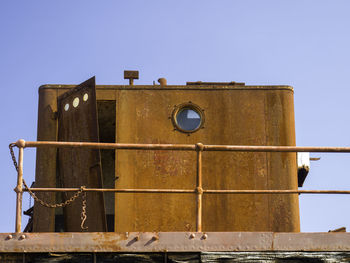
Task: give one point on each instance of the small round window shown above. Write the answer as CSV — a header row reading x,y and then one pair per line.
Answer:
x,y
188,117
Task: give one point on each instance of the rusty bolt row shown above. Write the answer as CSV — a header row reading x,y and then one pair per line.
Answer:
x,y
21,237
204,236
154,238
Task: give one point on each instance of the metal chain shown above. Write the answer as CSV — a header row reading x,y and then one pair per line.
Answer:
x,y
13,155
83,213
43,203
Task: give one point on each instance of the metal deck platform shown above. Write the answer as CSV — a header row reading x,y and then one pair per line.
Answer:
x,y
99,242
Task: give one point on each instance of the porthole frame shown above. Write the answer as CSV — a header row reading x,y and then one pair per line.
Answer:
x,y
191,106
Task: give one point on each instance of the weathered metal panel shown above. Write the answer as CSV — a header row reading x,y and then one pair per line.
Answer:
x,y
172,242
331,241
185,257
45,173
77,121
241,116
275,257
282,167
237,116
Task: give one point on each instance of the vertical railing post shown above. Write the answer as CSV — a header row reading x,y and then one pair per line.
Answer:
x,y
199,189
19,189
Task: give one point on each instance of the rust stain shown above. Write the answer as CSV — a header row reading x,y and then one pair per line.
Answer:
x,y
168,164
109,241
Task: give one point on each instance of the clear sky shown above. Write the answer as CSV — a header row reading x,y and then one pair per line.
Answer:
x,y
305,44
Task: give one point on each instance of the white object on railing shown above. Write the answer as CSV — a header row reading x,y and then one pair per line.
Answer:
x,y
303,160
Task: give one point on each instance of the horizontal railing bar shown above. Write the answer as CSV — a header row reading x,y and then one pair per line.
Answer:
x,y
184,147
247,148
111,190
190,191
276,192
126,146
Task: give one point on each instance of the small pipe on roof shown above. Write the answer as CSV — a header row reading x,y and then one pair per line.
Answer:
x,y
162,82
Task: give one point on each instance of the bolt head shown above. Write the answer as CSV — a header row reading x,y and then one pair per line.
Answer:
x,y
205,236
9,236
199,146
192,236
22,237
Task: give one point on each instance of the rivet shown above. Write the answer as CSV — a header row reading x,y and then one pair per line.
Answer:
x,y
192,236
205,236
155,238
9,236
22,237
137,238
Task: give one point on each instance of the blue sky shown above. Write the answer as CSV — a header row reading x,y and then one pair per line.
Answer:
x,y
300,43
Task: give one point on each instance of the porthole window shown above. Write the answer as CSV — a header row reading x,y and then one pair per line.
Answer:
x,y
188,117
66,107
85,97
75,102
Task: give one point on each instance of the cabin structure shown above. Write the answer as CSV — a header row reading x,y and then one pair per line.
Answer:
x,y
202,172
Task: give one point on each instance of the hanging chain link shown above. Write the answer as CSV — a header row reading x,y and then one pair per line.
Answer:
x,y
43,203
83,216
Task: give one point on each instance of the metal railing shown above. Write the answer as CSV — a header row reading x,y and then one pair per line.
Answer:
x,y
198,148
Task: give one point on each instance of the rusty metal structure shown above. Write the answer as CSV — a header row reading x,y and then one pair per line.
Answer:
x,y
202,168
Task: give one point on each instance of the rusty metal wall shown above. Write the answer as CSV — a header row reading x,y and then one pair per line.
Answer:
x,y
45,175
46,166
242,116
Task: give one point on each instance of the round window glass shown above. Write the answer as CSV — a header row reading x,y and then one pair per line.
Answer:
x,y
188,119
66,107
76,102
85,97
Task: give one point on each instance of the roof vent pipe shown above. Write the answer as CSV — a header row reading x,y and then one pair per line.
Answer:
x,y
162,82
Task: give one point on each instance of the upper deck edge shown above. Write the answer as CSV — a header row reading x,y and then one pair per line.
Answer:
x,y
172,242
173,87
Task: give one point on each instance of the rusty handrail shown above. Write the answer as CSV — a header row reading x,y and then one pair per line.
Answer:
x,y
54,189
199,148
189,191
115,146
19,190
180,147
